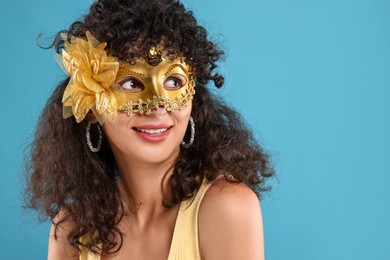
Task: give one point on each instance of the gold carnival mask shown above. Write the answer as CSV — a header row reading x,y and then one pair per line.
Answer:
x,y
141,87
104,85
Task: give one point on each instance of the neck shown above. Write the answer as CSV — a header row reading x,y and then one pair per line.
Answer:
x,y
144,186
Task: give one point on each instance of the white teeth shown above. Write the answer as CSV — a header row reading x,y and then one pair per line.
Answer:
x,y
152,131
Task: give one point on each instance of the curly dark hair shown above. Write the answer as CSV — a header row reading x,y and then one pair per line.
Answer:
x,y
64,176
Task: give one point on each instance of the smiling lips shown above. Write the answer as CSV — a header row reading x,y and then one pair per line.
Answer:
x,y
153,133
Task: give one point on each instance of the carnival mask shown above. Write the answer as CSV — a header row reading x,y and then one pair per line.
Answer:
x,y
104,85
141,87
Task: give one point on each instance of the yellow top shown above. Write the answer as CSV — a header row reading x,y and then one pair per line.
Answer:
x,y
185,242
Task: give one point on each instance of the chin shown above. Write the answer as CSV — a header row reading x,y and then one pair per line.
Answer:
x,y
154,154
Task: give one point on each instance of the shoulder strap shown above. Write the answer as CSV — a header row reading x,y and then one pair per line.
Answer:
x,y
185,242
86,254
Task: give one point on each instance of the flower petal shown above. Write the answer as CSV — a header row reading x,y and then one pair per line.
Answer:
x,y
92,72
91,84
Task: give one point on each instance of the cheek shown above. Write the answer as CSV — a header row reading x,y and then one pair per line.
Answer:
x,y
117,128
183,115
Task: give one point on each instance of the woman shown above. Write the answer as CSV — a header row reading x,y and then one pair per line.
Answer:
x,y
133,157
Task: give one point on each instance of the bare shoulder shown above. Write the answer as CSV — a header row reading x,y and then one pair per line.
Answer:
x,y
230,223
59,247
226,194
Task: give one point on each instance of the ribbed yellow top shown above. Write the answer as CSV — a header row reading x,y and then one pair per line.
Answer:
x,y
185,243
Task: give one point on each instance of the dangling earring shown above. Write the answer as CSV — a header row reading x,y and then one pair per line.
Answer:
x,y
88,136
192,125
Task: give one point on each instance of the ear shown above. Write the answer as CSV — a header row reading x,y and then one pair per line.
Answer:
x,y
91,117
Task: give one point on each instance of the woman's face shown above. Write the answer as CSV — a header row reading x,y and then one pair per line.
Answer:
x,y
152,138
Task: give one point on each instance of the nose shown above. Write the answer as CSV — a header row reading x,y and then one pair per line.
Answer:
x,y
157,91
157,87
159,111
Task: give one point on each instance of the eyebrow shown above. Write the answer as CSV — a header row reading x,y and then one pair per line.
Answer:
x,y
174,66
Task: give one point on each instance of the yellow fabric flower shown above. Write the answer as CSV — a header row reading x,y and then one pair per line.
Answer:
x,y
92,72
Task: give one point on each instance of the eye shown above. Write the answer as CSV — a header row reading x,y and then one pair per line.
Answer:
x,y
131,85
175,82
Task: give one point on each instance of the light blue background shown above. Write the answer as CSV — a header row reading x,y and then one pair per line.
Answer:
x,y
311,76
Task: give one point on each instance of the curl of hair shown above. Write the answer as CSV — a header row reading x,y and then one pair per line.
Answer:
x,y
132,27
64,176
